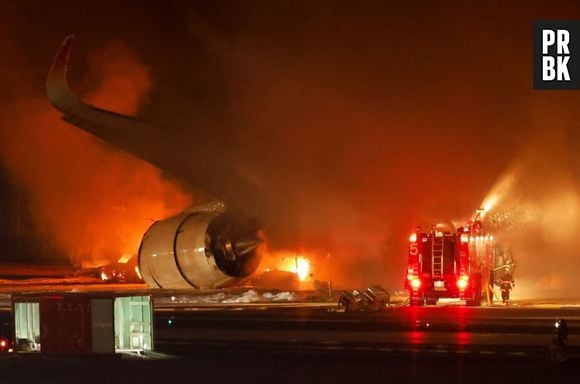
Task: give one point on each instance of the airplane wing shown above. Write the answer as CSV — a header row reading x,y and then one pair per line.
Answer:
x,y
102,123
216,178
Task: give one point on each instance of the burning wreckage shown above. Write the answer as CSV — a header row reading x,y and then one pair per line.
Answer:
x,y
204,247
374,298
209,247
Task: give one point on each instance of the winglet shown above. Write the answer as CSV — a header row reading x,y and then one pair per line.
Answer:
x,y
57,87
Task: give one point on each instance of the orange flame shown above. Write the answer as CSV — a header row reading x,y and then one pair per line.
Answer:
x,y
299,265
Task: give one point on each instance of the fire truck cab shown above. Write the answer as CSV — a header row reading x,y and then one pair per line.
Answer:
x,y
450,264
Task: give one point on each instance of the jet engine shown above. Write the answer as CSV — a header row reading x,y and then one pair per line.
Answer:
x,y
201,248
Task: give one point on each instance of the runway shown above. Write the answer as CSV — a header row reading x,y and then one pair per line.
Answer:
x,y
244,335
314,345
515,331
428,344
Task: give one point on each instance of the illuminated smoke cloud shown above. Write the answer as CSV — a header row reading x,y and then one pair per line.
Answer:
x,y
92,200
361,126
536,214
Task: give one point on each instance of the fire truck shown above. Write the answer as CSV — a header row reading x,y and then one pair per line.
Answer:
x,y
458,264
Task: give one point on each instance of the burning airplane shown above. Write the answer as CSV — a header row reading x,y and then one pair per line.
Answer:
x,y
207,246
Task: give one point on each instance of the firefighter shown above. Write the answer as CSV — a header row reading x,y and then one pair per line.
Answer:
x,y
506,285
506,281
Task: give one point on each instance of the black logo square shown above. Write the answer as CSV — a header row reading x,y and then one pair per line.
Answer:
x,y
556,54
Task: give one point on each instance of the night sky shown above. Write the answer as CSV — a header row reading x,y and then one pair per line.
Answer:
x,y
363,119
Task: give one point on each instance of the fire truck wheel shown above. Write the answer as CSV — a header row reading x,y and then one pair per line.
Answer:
x,y
473,302
417,302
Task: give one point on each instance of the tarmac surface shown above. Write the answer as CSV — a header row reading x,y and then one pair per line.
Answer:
x,y
291,339
506,331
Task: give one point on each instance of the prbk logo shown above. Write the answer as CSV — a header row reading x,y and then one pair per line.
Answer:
x,y
556,54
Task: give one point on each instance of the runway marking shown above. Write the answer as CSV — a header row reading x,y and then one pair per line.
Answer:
x,y
219,343
335,347
363,348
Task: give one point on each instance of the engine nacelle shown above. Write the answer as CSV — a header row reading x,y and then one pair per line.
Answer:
x,y
200,248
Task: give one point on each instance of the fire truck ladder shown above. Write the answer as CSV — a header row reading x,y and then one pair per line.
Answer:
x,y
437,256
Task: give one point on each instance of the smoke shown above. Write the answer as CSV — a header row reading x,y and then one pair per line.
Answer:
x,y
365,124
361,123
93,201
535,213
352,156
